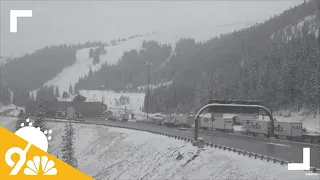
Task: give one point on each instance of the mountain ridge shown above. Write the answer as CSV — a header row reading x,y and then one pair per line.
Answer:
x,y
230,65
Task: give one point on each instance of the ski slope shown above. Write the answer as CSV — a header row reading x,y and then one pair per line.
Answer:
x,y
111,153
115,52
83,63
136,99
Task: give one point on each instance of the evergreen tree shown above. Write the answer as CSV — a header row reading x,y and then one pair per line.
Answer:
x,y
90,53
76,91
68,154
6,96
57,91
46,93
20,120
90,73
96,59
40,116
21,97
65,95
32,97
70,89
103,50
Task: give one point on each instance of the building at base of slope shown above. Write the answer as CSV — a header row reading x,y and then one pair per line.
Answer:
x,y
73,107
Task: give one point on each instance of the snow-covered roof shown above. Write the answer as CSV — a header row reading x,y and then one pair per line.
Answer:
x,y
228,116
70,99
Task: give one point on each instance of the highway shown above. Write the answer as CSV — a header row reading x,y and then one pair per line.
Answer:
x,y
286,150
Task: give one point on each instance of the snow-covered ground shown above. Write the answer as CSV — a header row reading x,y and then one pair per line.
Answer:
x,y
15,110
4,108
4,60
152,86
312,26
136,99
83,63
311,123
112,153
8,122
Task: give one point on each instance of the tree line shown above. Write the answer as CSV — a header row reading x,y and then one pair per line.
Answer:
x,y
280,72
45,93
96,53
33,70
5,97
130,71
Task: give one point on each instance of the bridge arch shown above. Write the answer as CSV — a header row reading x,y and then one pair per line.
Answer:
x,y
232,108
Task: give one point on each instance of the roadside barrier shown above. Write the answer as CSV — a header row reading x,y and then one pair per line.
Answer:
x,y
239,151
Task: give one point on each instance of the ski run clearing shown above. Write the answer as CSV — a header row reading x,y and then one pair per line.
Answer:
x,y
111,153
110,97
83,63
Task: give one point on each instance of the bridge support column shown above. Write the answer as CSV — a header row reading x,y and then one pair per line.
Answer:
x,y
196,128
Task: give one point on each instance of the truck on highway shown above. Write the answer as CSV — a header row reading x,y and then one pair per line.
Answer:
x,y
158,118
124,116
183,120
288,130
216,121
223,124
169,120
259,128
244,126
205,123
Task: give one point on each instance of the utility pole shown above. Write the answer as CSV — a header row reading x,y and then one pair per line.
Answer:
x,y
149,64
102,105
318,74
102,98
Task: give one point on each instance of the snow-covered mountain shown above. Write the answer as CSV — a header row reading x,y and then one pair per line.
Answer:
x,y
310,24
83,63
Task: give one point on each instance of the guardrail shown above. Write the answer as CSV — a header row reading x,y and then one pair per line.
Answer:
x,y
226,148
311,144
260,138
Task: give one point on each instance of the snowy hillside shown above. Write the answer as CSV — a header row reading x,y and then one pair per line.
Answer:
x,y
111,153
136,99
11,110
310,23
83,63
115,51
152,86
4,60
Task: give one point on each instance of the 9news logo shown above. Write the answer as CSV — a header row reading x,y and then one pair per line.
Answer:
x,y
24,156
33,136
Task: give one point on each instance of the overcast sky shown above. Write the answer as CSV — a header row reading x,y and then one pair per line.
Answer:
x,y
80,21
